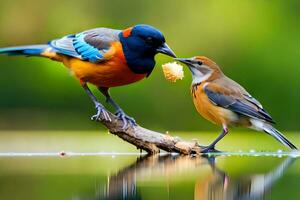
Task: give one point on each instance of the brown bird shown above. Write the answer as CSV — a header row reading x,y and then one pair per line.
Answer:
x,y
224,102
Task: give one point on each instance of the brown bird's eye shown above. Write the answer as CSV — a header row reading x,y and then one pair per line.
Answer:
x,y
199,63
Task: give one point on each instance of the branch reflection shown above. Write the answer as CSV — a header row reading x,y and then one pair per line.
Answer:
x,y
214,185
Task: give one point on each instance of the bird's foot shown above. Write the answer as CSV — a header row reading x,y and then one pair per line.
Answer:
x,y
101,111
127,121
210,149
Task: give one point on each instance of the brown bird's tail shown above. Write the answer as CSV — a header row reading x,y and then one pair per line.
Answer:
x,y
279,136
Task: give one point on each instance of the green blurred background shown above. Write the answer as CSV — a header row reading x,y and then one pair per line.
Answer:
x,y
255,42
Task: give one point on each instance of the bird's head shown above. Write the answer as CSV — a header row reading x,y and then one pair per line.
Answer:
x,y
140,44
202,68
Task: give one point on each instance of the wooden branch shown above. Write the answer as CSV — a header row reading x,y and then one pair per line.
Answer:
x,y
150,141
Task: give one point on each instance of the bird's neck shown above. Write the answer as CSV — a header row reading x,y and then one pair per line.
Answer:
x,y
139,62
208,76
198,79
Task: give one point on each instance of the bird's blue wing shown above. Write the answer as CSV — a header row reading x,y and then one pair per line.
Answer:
x,y
65,46
237,104
89,45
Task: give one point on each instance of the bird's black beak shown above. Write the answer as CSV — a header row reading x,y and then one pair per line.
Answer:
x,y
165,49
187,61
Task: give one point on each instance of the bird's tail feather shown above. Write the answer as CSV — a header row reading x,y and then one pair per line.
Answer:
x,y
279,136
29,50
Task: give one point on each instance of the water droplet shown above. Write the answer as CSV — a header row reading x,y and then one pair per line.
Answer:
x,y
252,151
62,153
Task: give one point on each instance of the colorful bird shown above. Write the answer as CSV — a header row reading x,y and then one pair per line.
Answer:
x,y
105,58
224,102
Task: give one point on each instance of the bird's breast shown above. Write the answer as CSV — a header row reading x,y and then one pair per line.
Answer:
x,y
111,73
208,110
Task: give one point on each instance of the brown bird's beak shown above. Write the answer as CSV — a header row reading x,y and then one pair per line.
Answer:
x,y
187,61
165,49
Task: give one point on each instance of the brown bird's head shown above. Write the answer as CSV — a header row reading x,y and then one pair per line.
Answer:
x,y
202,68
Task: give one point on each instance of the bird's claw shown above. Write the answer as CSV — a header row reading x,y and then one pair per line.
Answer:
x,y
127,121
101,111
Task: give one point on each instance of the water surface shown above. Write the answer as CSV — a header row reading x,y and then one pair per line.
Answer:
x,y
42,173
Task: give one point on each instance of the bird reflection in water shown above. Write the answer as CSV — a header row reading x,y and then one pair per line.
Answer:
x,y
218,186
215,185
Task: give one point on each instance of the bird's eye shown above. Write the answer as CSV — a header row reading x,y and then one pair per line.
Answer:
x,y
199,62
149,40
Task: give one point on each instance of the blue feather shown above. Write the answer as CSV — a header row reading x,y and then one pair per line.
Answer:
x,y
86,51
65,46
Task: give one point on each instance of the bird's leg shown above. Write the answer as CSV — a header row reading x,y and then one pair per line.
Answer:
x,y
100,108
127,120
211,147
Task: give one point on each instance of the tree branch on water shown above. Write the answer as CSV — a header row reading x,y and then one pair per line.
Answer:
x,y
150,141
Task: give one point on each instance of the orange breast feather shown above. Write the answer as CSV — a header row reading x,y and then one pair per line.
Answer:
x,y
111,73
208,110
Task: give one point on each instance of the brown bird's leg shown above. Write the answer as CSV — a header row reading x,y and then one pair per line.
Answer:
x,y
211,147
127,120
100,108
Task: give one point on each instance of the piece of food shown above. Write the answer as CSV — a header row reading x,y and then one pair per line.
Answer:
x,y
173,71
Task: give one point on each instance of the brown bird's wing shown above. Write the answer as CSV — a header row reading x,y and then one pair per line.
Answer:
x,y
232,96
237,88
